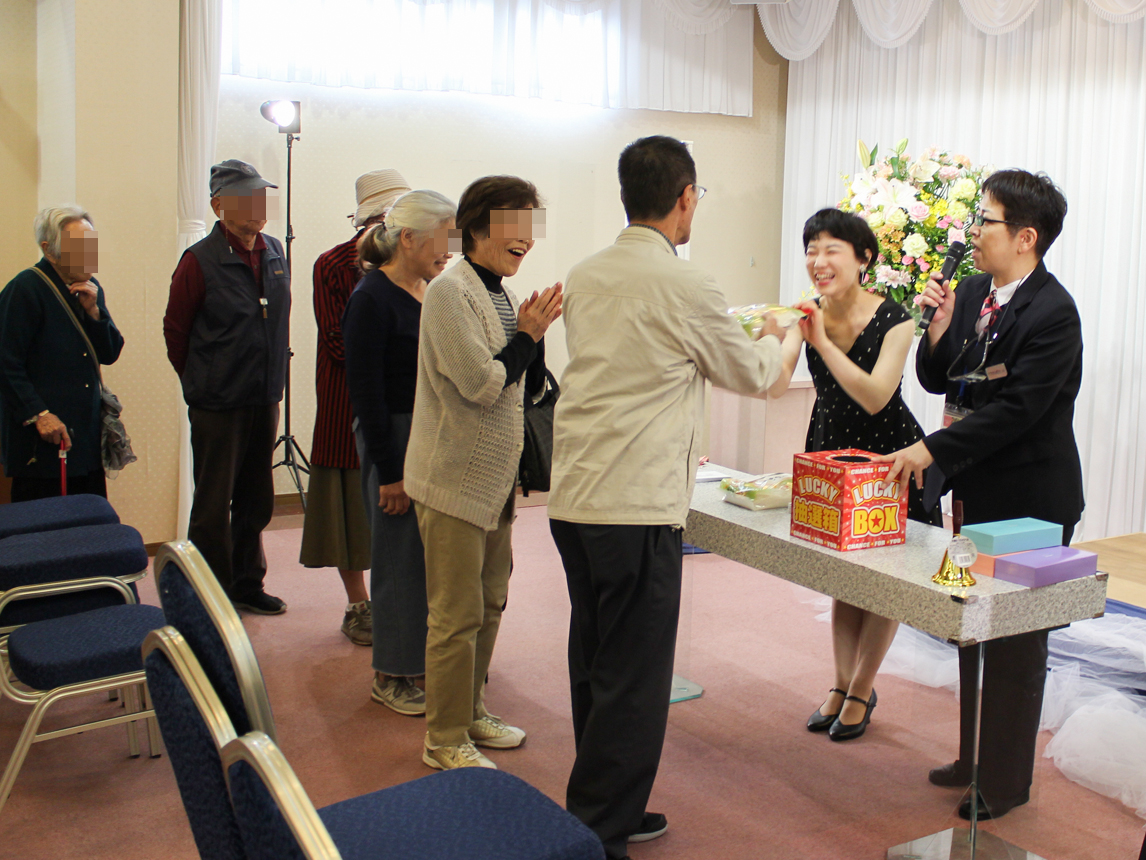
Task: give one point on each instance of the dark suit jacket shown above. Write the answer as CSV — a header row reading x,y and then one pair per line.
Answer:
x,y
44,364
1015,456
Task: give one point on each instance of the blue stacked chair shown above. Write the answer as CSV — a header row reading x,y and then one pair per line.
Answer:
x,y
61,512
268,815
471,813
512,820
49,661
108,550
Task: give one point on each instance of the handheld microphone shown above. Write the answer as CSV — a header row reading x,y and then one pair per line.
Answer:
x,y
955,253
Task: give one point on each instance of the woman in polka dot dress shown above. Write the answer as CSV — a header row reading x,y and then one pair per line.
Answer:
x,y
857,344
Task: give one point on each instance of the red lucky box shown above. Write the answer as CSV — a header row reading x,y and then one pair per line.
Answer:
x,y
841,500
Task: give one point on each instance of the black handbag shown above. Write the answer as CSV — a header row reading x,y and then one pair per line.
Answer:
x,y
537,452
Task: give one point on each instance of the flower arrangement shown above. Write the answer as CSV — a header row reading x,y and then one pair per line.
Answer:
x,y
916,208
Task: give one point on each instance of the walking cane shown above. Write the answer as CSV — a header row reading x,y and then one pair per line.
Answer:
x,y
63,469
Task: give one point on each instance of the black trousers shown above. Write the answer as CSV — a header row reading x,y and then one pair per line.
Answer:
x,y
1014,676
234,492
624,591
30,489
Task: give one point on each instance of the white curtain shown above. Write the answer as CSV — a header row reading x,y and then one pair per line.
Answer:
x,y
797,28
680,55
199,61
1062,93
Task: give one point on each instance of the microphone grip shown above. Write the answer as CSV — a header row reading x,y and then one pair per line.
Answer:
x,y
954,257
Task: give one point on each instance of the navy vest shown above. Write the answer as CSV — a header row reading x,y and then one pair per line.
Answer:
x,y
237,357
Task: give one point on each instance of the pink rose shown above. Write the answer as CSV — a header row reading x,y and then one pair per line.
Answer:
x,y
918,210
943,222
954,235
908,259
924,265
947,173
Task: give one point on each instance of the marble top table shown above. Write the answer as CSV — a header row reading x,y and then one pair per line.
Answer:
x,y
895,581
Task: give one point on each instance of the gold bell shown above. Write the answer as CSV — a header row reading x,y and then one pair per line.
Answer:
x,y
951,575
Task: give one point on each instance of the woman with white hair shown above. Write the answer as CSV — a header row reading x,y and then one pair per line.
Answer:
x,y
380,330
55,331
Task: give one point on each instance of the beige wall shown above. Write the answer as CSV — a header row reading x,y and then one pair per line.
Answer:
x,y
19,155
127,89
443,141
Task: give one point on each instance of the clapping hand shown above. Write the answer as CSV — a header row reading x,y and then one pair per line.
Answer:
x,y
538,312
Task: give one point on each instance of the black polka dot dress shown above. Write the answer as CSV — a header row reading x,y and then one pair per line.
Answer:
x,y
839,422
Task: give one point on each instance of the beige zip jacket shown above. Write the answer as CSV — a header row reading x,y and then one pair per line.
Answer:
x,y
644,329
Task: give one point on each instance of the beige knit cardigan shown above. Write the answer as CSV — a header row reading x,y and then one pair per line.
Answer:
x,y
466,437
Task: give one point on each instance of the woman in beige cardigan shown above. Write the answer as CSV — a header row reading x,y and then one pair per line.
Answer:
x,y
477,354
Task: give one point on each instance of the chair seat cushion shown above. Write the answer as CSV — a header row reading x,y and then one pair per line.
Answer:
x,y
105,550
83,647
62,512
471,813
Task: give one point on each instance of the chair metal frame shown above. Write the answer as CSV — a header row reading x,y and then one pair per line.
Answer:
x,y
126,579
186,556
41,700
266,759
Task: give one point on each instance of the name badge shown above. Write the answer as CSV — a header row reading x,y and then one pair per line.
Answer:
x,y
953,413
996,371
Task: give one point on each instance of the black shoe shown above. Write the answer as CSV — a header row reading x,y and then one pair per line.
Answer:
x,y
994,810
954,775
845,731
822,722
652,825
261,604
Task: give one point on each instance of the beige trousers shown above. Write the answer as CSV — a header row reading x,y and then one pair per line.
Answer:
x,y
467,581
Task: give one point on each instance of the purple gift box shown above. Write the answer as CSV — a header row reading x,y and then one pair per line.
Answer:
x,y
1038,567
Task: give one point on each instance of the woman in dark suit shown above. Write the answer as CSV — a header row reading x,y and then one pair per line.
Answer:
x,y
49,380
1006,350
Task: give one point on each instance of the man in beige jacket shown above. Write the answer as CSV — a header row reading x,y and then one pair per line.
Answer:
x,y
644,329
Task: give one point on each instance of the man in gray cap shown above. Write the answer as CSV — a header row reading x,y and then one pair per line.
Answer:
x,y
227,337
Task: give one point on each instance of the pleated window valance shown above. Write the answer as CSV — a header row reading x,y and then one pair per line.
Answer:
x,y
797,28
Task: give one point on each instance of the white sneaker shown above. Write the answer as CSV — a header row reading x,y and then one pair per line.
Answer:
x,y
492,732
447,758
401,695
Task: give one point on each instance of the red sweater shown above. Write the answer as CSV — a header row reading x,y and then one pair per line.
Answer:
x,y
335,276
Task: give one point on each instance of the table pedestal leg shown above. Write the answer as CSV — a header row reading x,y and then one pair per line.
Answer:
x,y
682,688
965,843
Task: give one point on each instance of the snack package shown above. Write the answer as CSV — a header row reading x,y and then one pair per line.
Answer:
x,y
751,316
773,490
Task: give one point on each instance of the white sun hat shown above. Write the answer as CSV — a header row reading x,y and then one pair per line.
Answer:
x,y
376,192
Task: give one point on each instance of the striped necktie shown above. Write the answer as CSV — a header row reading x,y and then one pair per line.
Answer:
x,y
988,314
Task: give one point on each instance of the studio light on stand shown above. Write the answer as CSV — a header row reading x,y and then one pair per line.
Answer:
x,y
286,115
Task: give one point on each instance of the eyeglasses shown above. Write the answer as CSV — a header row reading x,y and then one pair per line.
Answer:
x,y
700,190
978,220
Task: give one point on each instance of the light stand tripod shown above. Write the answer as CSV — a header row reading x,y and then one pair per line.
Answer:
x,y
293,458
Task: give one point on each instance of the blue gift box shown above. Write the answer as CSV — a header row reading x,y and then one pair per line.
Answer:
x,y
1019,535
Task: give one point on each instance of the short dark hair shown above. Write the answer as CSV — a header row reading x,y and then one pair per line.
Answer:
x,y
491,192
847,228
653,173
1029,200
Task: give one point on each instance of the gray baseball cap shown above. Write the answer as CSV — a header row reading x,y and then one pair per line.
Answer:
x,y
236,177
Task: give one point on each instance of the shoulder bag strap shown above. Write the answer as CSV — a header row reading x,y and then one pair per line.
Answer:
x,y
72,317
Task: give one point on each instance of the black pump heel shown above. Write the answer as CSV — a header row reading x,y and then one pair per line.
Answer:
x,y
823,722
844,731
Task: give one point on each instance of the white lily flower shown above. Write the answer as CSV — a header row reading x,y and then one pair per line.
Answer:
x,y
892,193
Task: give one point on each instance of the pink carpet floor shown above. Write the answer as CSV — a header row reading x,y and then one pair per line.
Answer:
x,y
740,778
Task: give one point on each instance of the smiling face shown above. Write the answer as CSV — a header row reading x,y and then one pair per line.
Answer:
x,y
511,235
428,253
832,265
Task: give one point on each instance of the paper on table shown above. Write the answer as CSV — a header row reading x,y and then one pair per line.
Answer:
x,y
708,474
